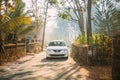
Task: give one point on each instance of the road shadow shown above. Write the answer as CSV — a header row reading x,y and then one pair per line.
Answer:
x,y
54,60
60,72
16,75
67,73
51,62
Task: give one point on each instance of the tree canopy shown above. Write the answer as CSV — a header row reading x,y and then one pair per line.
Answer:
x,y
12,17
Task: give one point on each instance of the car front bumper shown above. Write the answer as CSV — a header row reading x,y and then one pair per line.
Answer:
x,y
57,54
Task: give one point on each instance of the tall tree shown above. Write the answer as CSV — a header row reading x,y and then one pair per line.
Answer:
x,y
89,28
77,10
13,18
18,18
5,7
38,12
104,20
73,10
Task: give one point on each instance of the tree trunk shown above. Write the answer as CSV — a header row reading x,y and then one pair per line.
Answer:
x,y
81,25
89,28
44,28
2,51
80,18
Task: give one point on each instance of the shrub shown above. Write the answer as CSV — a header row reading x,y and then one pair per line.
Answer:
x,y
100,47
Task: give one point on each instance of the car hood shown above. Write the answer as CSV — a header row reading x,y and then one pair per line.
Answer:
x,y
57,47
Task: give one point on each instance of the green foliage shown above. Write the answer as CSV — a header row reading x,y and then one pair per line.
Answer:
x,y
117,0
14,22
104,20
103,49
19,9
101,46
53,2
93,39
80,38
116,17
64,16
25,30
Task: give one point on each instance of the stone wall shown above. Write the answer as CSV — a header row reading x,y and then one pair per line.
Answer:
x,y
14,52
80,54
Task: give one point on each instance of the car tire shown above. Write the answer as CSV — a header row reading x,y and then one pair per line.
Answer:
x,y
66,57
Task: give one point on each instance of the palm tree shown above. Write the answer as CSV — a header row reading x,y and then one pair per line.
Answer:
x,y
104,20
18,20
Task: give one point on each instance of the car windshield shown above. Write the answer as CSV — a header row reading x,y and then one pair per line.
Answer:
x,y
56,43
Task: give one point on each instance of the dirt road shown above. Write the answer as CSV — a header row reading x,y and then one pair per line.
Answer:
x,y
37,67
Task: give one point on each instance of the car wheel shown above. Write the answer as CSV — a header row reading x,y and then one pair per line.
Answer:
x,y
66,57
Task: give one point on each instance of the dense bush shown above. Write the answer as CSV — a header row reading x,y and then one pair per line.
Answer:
x,y
100,46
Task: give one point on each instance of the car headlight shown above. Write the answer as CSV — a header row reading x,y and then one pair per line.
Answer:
x,y
49,50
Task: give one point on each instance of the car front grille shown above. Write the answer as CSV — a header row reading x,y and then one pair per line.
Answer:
x,y
56,50
57,54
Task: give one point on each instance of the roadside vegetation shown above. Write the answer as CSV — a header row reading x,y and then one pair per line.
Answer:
x,y
13,19
89,48
15,24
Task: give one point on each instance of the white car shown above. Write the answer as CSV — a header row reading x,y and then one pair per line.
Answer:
x,y
57,49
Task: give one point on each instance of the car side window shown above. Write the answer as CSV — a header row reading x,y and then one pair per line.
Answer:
x,y
51,44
